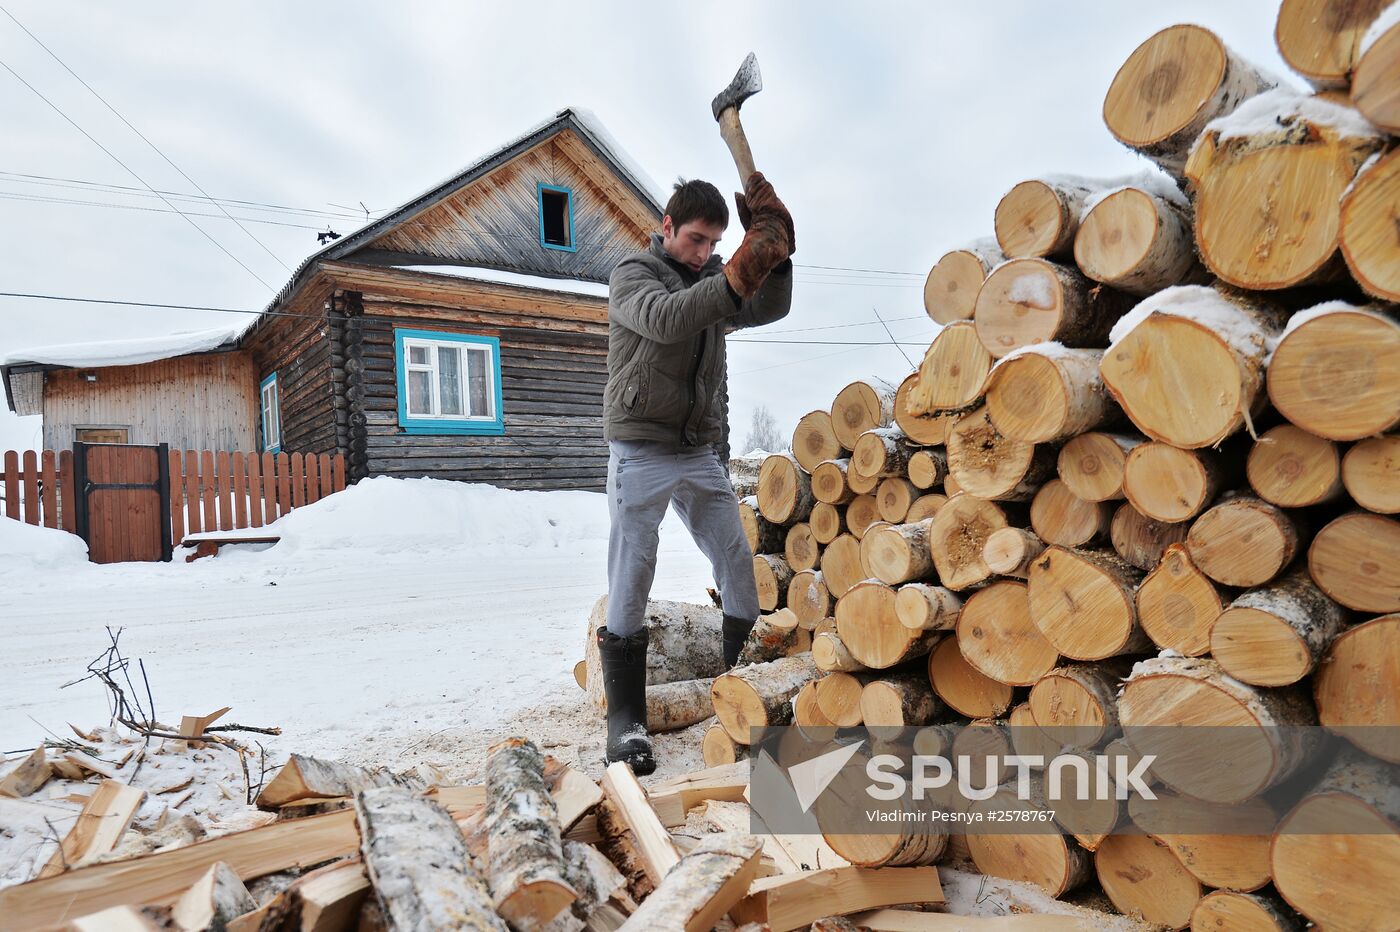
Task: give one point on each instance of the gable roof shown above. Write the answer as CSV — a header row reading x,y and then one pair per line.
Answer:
x,y
584,124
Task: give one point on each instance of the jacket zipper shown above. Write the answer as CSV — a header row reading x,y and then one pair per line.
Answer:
x,y
690,386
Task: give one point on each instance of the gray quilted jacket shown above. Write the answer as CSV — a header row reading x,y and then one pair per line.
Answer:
x,y
667,374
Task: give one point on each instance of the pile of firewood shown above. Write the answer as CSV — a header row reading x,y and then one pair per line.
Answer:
x,y
1141,477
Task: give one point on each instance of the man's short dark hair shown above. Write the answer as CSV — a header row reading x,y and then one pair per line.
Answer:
x,y
697,200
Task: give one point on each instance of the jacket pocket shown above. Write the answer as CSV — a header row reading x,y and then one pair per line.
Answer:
x,y
634,389
662,396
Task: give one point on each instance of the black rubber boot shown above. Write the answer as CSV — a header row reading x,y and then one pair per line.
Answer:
x,y
736,632
625,685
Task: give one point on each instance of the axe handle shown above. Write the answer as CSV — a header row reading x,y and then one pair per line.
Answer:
x,y
733,132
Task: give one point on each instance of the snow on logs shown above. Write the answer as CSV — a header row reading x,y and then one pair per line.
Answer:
x,y
859,407
1375,84
1171,86
1187,364
1268,182
1047,392
1039,217
1138,239
1027,301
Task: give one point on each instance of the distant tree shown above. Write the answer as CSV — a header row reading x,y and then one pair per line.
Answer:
x,y
763,432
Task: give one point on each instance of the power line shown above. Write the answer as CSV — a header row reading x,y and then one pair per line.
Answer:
x,y
143,138
74,202
133,174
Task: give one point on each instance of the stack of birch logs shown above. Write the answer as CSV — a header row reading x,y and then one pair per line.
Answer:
x,y
1142,476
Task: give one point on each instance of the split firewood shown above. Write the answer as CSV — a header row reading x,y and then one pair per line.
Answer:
x,y
950,291
525,850
322,900
304,778
654,847
1171,86
415,857
105,816
701,887
27,776
794,901
1277,634
215,900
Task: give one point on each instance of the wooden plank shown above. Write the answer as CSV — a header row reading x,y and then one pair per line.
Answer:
x,y
193,524
67,498
284,484
255,492
48,475
240,491
324,461
211,488
795,901
297,472
162,878
269,478
313,479
32,773
225,491
177,499
105,816
338,473
654,845
30,479
908,920
12,484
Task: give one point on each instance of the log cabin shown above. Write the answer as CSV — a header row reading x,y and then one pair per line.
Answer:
x,y
461,336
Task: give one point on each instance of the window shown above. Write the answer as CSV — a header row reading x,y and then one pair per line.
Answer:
x,y
449,383
271,415
556,217
100,434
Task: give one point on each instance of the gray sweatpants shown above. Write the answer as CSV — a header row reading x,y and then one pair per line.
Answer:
x,y
643,478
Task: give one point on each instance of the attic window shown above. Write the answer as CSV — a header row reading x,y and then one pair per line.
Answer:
x,y
556,218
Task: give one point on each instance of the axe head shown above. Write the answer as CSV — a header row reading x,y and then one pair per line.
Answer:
x,y
747,82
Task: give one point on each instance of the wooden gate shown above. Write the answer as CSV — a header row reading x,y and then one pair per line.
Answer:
x,y
123,493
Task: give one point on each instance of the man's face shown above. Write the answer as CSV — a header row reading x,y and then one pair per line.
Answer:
x,y
692,243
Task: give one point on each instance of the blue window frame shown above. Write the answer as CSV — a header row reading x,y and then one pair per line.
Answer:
x,y
270,399
556,209
449,383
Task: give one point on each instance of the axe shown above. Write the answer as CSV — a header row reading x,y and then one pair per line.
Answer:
x,y
747,82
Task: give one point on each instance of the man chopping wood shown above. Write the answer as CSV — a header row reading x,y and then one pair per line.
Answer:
x,y
666,418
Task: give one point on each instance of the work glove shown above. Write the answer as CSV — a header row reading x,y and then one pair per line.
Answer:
x,y
765,245
759,197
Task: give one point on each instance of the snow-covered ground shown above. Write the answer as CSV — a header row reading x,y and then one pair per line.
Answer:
x,y
400,615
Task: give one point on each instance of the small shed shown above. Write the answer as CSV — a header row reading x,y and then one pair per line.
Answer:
x,y
461,336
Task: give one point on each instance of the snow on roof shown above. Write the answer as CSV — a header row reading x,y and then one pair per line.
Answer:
x,y
496,276
1284,106
128,352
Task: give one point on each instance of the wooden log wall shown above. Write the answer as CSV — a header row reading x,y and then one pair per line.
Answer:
x,y
300,350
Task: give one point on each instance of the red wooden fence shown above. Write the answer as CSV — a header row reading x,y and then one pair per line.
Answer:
x,y
208,491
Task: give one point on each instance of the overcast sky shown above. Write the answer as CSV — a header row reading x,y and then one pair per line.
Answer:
x,y
890,129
